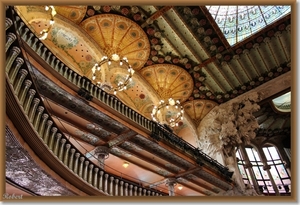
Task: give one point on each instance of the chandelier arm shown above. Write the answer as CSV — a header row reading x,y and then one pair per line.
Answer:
x,y
124,63
174,121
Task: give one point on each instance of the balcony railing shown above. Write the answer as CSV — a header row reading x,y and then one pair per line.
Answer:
x,y
25,106
157,131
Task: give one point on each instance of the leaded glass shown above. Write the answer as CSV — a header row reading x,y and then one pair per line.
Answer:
x,y
273,152
242,171
257,173
250,154
239,22
264,173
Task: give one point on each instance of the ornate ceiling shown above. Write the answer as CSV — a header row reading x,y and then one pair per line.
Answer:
x,y
176,51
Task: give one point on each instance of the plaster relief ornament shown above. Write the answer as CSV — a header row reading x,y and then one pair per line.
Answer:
x,y
226,127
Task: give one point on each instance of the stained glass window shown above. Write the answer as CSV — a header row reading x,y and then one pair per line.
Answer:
x,y
239,22
283,102
277,171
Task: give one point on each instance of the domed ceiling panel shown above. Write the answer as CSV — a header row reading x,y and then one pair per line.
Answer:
x,y
187,132
32,14
72,13
120,35
169,81
66,39
139,95
197,109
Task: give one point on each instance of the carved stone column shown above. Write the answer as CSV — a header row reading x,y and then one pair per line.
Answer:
x,y
170,183
102,152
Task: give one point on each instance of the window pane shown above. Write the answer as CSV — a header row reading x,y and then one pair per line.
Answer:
x,y
261,183
270,189
265,149
286,181
260,163
257,173
274,153
250,154
239,156
242,171
257,158
277,162
249,176
281,171
264,173
275,175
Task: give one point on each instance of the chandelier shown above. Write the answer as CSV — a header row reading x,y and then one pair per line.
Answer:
x,y
169,112
44,33
114,60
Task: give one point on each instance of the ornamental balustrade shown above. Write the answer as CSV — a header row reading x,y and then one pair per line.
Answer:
x,y
22,86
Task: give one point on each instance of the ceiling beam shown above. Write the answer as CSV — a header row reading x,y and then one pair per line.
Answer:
x,y
188,172
157,14
125,136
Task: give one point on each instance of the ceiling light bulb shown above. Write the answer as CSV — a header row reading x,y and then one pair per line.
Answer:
x,y
115,57
53,11
172,101
44,35
125,164
94,68
180,187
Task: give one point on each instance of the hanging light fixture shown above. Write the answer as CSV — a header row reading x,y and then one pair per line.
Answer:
x,y
125,164
180,187
116,61
44,33
163,112
121,40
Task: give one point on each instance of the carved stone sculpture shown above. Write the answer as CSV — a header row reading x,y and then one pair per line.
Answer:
x,y
226,127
